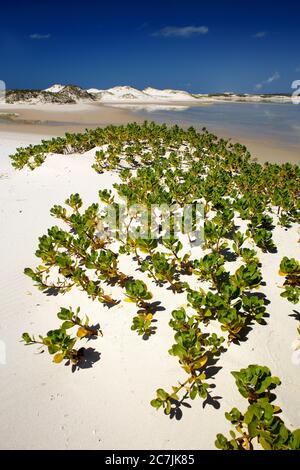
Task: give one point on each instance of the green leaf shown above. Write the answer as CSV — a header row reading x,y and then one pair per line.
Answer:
x,y
265,444
156,403
168,407
65,314
67,324
161,394
295,440
26,338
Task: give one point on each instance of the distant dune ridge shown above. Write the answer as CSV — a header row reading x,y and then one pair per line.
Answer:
x,y
71,94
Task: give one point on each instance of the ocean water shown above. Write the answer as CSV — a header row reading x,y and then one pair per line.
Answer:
x,y
279,123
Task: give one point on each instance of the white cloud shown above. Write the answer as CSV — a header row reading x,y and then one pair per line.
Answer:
x,y
260,34
183,32
39,36
273,78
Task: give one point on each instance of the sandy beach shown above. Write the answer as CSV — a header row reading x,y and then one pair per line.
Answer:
x,y
150,232
52,119
271,150
106,404
55,120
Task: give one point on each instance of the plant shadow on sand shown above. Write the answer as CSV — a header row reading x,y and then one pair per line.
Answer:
x,y
88,357
54,291
211,371
295,315
152,307
156,306
229,256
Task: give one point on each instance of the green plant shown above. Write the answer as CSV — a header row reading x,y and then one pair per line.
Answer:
x,y
255,382
249,256
254,306
146,245
263,240
193,349
232,321
174,245
239,239
174,168
161,270
106,196
137,292
290,268
206,304
74,201
247,276
260,423
59,343
210,267
284,221
72,319
214,235
142,323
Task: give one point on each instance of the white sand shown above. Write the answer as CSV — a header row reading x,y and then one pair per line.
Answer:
x,y
127,94
43,405
47,107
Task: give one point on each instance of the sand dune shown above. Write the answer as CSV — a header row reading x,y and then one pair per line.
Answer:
x,y
43,405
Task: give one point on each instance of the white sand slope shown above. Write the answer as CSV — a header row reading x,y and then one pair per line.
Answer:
x,y
129,94
106,406
55,88
169,95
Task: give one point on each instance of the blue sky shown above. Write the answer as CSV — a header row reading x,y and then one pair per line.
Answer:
x,y
195,45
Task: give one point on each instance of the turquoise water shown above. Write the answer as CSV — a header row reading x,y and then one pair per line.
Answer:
x,y
277,122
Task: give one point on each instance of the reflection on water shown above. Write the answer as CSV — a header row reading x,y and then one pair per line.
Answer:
x,y
279,122
38,122
150,108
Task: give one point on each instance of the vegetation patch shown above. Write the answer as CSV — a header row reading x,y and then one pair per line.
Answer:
x,y
260,425
193,214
